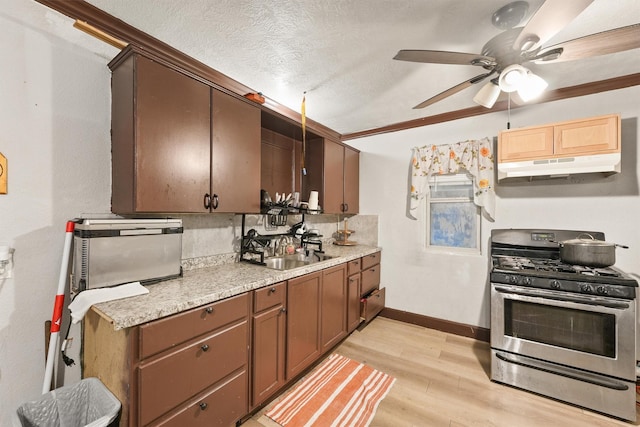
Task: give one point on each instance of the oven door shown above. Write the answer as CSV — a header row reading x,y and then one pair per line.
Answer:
x,y
593,333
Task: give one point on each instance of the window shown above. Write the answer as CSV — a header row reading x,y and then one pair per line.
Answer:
x,y
453,220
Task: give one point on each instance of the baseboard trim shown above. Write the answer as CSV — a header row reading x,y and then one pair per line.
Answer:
x,y
476,332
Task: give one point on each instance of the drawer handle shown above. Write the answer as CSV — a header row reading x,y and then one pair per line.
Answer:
x,y
373,270
205,347
209,310
272,290
203,405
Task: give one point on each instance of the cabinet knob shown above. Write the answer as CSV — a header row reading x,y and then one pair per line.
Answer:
x,y
283,310
215,202
207,201
272,290
346,207
203,405
209,310
205,347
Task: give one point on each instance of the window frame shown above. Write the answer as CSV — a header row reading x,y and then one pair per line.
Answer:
x,y
451,179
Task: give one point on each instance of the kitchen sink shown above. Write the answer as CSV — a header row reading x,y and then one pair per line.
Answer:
x,y
287,262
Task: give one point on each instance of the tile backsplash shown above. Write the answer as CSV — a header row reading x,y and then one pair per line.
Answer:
x,y
213,238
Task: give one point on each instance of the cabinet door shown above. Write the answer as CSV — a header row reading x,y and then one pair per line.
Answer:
x,y
351,181
235,157
599,135
172,146
333,190
525,144
303,322
268,353
353,309
333,306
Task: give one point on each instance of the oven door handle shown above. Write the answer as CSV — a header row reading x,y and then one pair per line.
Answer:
x,y
575,299
565,372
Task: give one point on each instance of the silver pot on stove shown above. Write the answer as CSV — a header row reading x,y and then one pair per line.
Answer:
x,y
588,251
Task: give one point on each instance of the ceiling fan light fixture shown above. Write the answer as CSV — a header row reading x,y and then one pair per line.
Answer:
x,y
511,77
529,42
532,87
487,95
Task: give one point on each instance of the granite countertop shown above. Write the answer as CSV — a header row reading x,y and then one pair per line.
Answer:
x,y
206,285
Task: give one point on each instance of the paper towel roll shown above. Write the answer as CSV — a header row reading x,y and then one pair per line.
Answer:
x,y
313,200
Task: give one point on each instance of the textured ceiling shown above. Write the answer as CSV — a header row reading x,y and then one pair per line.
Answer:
x,y
340,52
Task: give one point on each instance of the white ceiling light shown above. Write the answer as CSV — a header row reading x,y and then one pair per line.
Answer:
x,y
518,78
487,95
511,77
531,87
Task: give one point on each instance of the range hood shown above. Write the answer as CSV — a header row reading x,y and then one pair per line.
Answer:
x,y
557,167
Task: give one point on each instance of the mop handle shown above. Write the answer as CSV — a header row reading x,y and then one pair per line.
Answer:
x,y
56,319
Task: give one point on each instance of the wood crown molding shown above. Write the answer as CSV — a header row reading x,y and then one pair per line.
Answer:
x,y
114,27
552,95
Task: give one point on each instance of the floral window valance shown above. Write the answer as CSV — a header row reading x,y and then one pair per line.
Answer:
x,y
475,156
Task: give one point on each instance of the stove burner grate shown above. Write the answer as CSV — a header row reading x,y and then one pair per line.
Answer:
x,y
516,263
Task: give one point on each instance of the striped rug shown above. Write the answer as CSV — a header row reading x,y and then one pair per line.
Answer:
x,y
339,392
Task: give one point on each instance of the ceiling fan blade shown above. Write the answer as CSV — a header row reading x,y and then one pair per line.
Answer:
x,y
453,90
611,41
547,21
444,57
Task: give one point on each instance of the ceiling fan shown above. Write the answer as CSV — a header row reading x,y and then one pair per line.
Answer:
x,y
503,55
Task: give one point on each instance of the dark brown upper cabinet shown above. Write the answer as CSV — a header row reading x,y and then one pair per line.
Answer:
x,y
179,145
333,169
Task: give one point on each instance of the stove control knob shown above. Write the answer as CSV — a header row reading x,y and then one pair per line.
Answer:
x,y
513,280
586,288
554,284
526,281
602,290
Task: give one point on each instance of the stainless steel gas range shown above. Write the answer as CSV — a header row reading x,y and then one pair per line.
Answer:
x,y
560,330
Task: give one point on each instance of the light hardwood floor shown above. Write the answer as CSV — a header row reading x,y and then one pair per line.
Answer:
x,y
442,380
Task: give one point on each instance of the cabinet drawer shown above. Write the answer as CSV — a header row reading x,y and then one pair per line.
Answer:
x,y
370,279
370,260
220,406
269,296
372,304
165,333
353,267
170,380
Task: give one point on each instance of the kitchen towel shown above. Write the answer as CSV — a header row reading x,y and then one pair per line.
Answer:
x,y
85,299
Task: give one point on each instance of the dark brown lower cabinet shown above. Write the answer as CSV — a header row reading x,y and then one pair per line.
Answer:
x,y
268,344
333,306
189,369
353,303
303,322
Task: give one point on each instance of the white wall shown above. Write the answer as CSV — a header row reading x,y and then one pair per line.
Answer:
x,y
456,287
54,121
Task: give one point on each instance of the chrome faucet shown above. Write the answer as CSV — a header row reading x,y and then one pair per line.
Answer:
x,y
281,244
